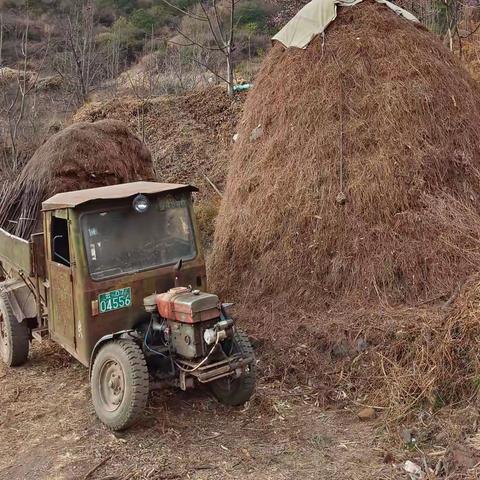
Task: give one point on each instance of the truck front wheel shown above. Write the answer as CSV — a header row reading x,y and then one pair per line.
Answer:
x,y
235,392
14,341
119,384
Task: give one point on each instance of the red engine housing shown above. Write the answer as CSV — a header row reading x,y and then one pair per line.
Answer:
x,y
187,306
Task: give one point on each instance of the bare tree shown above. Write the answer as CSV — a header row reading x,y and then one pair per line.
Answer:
x,y
448,19
444,17
81,62
17,96
221,24
178,74
168,71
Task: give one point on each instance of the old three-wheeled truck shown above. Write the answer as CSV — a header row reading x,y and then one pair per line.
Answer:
x,y
117,278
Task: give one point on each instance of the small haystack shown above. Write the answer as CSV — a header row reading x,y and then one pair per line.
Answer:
x,y
84,155
352,209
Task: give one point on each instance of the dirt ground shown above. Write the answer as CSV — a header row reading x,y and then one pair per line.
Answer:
x,y
48,430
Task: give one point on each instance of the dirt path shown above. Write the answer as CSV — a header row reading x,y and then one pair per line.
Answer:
x,y
49,431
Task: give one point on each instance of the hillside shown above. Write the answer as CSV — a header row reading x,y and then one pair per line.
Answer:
x,y
189,135
56,58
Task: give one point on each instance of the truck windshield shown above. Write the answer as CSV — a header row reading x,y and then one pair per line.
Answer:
x,y
123,241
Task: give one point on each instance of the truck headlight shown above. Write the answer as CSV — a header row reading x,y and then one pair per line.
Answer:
x,y
141,203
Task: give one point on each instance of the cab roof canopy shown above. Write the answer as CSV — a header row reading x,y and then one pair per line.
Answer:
x,y
111,192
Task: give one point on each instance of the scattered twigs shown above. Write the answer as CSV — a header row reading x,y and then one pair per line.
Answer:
x,y
453,296
213,186
96,467
17,394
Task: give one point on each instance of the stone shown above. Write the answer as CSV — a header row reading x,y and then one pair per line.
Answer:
x,y
367,414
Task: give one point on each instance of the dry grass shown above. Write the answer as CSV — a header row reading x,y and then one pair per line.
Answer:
x,y
385,117
414,365
206,213
9,75
189,135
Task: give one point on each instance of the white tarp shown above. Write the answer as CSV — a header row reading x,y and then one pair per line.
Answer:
x,y
314,18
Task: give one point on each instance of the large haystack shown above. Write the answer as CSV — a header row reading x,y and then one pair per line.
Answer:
x,y
351,217
83,155
357,173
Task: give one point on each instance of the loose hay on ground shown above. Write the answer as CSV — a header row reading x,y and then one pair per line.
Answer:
x,y
189,135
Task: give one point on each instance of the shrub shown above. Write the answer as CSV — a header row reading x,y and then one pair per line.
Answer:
x,y
125,32
184,4
123,6
252,14
143,20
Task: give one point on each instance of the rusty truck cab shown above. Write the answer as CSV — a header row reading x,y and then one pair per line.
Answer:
x,y
107,249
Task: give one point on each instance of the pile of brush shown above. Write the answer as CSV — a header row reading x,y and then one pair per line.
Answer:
x,y
352,211
84,155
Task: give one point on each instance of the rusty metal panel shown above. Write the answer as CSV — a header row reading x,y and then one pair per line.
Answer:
x,y
22,299
62,318
38,252
16,252
112,192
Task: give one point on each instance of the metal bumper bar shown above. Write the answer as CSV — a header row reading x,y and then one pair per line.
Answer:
x,y
232,366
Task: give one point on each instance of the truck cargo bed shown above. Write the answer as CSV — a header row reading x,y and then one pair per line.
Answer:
x,y
15,252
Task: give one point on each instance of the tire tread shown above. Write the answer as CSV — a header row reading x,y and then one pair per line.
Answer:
x,y
19,335
246,383
139,386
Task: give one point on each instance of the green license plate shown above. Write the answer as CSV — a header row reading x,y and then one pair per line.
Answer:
x,y
115,300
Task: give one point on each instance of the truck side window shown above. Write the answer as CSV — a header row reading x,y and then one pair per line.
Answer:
x,y
60,246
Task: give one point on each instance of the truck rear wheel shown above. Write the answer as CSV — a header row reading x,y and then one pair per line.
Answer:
x,y
119,384
14,342
237,391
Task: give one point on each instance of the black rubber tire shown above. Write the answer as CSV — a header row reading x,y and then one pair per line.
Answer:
x,y
129,356
15,339
238,391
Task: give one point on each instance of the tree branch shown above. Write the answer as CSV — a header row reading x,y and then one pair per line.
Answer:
x,y
204,65
194,43
184,12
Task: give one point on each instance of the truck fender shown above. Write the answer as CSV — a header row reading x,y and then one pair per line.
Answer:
x,y
105,339
20,298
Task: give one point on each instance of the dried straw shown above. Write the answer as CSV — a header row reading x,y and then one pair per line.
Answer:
x,y
382,114
352,209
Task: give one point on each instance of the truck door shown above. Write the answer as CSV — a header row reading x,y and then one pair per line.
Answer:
x,y
60,276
